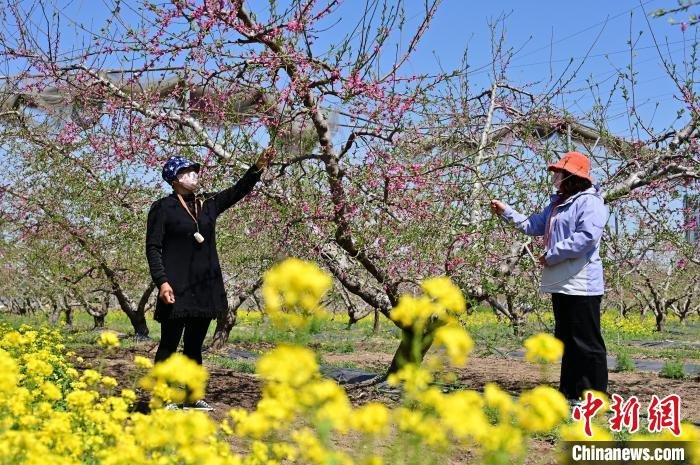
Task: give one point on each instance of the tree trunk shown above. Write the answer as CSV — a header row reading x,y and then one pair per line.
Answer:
x,y
96,311
55,314
69,312
354,315
145,297
519,319
136,316
659,320
99,317
224,325
515,324
69,317
99,320
406,355
139,322
375,325
226,322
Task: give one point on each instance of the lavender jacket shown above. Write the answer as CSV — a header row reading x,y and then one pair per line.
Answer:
x,y
573,255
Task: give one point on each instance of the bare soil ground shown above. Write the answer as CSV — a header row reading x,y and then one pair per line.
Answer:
x,y
516,376
229,389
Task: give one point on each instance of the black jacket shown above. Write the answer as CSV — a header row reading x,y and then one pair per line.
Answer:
x,y
192,269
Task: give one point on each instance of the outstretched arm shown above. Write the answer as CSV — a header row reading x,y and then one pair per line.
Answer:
x,y
229,197
533,225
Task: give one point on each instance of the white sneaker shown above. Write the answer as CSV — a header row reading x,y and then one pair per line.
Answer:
x,y
171,407
198,405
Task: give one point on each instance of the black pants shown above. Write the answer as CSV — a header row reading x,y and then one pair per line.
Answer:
x,y
171,330
577,324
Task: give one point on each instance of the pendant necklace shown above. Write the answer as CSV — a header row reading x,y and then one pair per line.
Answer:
x,y
197,236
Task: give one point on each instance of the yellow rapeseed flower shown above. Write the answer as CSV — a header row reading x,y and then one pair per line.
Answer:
x,y
294,283
10,372
175,379
143,362
327,402
288,364
463,413
442,301
310,446
128,395
575,432
541,409
81,399
456,341
445,293
543,348
13,339
371,418
51,391
690,434
109,339
90,377
38,368
498,399
109,382
503,437
250,424
284,451
415,311
419,424
413,377
50,413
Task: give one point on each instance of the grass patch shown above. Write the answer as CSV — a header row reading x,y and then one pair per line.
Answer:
x,y
266,334
334,347
239,366
331,334
624,361
344,347
673,369
344,364
669,353
680,352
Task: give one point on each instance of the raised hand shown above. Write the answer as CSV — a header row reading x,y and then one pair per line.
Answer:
x,y
497,206
265,157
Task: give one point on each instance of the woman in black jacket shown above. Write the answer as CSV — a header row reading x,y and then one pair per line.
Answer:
x,y
182,256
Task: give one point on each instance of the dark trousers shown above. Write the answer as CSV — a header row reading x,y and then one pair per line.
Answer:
x,y
577,324
171,331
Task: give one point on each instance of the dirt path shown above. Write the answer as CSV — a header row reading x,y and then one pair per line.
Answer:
x,y
229,389
516,376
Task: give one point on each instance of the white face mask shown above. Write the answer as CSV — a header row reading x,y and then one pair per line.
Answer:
x,y
557,179
189,180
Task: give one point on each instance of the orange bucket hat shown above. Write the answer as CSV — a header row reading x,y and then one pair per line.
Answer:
x,y
575,163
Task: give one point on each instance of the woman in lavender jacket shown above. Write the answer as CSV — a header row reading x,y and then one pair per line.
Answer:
x,y
572,225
